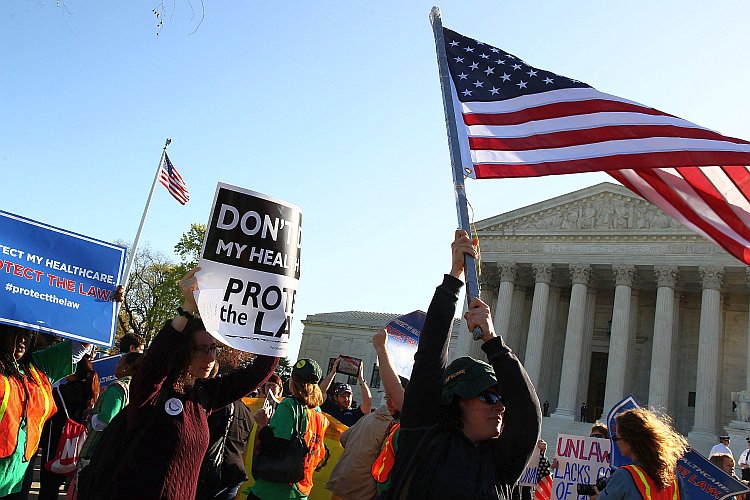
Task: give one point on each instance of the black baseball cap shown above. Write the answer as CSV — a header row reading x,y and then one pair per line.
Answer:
x,y
467,378
306,370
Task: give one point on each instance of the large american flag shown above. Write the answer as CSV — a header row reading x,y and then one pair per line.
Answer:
x,y
172,180
516,120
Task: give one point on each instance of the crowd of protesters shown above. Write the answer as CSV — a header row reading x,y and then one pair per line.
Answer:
x,y
464,429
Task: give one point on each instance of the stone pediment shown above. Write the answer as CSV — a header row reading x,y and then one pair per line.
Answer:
x,y
603,208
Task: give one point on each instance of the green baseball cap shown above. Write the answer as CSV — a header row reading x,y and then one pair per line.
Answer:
x,y
467,378
307,371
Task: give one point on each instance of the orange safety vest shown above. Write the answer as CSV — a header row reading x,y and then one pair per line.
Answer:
x,y
14,409
317,424
381,467
648,488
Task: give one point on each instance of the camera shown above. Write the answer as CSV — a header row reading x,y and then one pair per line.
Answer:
x,y
589,490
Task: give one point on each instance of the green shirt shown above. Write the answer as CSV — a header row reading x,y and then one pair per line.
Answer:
x,y
282,424
56,362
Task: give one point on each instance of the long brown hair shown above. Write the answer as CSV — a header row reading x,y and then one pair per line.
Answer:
x,y
179,376
654,442
309,394
86,374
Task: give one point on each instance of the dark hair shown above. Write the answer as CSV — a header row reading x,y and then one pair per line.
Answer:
x,y
132,358
130,340
449,415
86,374
180,372
9,366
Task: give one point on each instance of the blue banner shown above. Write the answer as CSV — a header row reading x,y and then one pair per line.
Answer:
x,y
57,281
629,403
703,480
403,339
105,368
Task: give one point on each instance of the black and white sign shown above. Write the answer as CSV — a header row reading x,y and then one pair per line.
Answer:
x,y
250,268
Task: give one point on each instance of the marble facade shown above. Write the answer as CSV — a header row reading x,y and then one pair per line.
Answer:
x,y
600,294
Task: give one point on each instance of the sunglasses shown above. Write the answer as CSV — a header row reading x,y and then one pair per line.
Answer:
x,y
596,436
491,398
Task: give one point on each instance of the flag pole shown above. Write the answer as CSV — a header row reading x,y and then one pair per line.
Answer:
x,y
472,281
134,248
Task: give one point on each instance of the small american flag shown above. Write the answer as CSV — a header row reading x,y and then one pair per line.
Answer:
x,y
516,120
544,480
172,180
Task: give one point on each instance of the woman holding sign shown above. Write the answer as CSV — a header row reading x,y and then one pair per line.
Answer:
x,y
26,399
170,398
654,447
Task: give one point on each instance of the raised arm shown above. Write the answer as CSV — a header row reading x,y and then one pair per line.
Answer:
x,y
159,358
523,415
224,390
394,391
366,405
325,383
422,398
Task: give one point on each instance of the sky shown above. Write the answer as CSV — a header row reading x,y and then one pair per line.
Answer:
x,y
335,109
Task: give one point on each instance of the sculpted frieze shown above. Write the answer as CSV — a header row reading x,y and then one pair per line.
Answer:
x,y
604,212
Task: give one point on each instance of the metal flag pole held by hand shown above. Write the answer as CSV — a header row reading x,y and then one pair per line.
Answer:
x,y
472,281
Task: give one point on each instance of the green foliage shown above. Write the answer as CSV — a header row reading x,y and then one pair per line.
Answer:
x,y
189,246
153,291
284,368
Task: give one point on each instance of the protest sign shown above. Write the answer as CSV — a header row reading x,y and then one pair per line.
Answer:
x,y
628,403
250,268
105,368
530,473
703,480
349,365
403,339
581,460
57,281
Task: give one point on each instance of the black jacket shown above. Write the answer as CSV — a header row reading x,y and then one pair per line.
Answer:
x,y
435,461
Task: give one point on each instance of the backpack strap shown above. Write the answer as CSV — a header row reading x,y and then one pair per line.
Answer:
x,y
62,401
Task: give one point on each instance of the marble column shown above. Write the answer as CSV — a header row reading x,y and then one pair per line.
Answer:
x,y
619,346
571,365
537,326
488,283
709,343
515,328
508,272
661,351
465,340
588,339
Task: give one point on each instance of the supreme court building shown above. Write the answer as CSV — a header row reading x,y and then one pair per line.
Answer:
x,y
601,294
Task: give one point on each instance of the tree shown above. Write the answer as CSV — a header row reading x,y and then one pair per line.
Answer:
x,y
189,246
152,294
284,368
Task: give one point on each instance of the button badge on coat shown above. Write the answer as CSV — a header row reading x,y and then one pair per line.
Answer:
x,y
173,406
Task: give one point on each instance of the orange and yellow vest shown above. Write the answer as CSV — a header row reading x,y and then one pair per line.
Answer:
x,y
648,488
317,424
14,408
381,467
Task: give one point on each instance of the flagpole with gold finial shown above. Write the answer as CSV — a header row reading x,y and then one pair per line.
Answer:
x,y
134,247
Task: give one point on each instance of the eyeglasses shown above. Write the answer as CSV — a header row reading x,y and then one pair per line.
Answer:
x,y
205,350
596,436
491,398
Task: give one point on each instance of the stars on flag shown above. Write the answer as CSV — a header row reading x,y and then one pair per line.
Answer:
x,y
490,85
